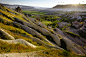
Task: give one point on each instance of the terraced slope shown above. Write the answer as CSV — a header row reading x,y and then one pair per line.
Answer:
x,y
16,28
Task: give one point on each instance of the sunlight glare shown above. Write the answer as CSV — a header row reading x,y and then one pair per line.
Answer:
x,y
75,2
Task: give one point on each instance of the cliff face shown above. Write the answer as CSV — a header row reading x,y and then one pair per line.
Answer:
x,y
17,28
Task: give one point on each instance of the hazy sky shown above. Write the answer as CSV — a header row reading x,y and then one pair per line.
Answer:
x,y
42,3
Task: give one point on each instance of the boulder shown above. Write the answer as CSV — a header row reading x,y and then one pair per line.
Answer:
x,y
82,32
76,24
62,24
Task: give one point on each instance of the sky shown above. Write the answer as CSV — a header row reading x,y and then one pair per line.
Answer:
x,y
43,3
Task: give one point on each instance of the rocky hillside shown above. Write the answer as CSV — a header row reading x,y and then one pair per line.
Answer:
x,y
17,29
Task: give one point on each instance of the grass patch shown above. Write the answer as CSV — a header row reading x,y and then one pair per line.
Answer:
x,y
33,12
57,53
71,33
14,29
10,15
1,16
47,22
16,36
6,48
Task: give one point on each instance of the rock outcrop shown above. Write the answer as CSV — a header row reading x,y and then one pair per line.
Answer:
x,y
82,31
18,9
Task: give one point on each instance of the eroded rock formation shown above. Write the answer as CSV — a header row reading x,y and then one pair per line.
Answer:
x,y
40,33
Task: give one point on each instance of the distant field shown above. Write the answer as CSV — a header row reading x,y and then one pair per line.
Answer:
x,y
33,12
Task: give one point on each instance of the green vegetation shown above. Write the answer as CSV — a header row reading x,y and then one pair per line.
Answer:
x,y
33,12
10,15
49,20
68,20
65,28
6,47
73,34
53,24
1,16
14,29
48,17
19,36
58,53
17,33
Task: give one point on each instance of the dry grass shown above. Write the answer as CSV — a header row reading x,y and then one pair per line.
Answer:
x,y
58,53
6,48
16,36
5,18
12,15
14,29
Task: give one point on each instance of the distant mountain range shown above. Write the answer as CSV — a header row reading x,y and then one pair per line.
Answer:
x,y
71,5
22,6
